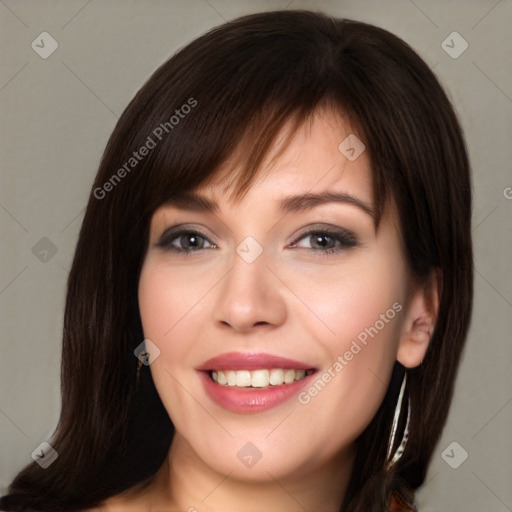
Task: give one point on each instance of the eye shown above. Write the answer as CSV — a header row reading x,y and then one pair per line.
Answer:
x,y
328,240
184,241
321,240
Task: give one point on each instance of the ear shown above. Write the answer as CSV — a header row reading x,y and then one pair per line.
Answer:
x,y
420,320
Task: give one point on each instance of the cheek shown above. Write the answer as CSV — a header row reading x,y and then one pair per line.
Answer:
x,y
157,304
163,313
357,299
348,390
172,308
166,306
361,311
168,299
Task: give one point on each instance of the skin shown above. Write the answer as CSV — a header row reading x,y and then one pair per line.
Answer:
x,y
292,301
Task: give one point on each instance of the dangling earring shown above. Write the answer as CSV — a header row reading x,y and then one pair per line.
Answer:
x,y
405,437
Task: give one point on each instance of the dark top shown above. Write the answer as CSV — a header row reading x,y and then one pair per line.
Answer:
x,y
397,503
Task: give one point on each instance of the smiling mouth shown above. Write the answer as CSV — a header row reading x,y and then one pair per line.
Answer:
x,y
257,379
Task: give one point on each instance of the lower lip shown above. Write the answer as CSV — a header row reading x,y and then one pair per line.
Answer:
x,y
248,400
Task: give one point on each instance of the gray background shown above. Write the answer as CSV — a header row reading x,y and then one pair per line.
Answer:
x,y
56,116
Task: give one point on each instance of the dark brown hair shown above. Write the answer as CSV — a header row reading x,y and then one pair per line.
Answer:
x,y
252,75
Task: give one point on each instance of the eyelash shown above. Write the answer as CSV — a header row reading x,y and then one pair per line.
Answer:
x,y
346,238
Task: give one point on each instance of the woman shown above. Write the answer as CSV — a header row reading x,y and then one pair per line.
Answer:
x,y
272,285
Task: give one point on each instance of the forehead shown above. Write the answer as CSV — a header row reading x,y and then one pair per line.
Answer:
x,y
323,155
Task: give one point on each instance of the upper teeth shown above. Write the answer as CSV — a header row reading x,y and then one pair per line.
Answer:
x,y
257,378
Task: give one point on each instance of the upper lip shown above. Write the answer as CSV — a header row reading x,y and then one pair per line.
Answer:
x,y
251,361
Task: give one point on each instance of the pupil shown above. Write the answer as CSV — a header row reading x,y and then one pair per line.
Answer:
x,y
192,241
319,239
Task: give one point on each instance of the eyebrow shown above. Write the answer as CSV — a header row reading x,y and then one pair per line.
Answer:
x,y
194,202
307,201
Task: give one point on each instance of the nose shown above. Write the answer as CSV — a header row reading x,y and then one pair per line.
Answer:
x,y
250,297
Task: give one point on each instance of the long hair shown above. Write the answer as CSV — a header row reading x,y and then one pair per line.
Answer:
x,y
251,76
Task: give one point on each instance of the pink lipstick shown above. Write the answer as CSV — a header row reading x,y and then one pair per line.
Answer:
x,y
253,382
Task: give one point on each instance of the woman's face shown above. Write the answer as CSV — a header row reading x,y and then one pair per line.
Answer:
x,y
246,294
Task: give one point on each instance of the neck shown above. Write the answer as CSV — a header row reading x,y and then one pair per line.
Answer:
x,y
184,482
